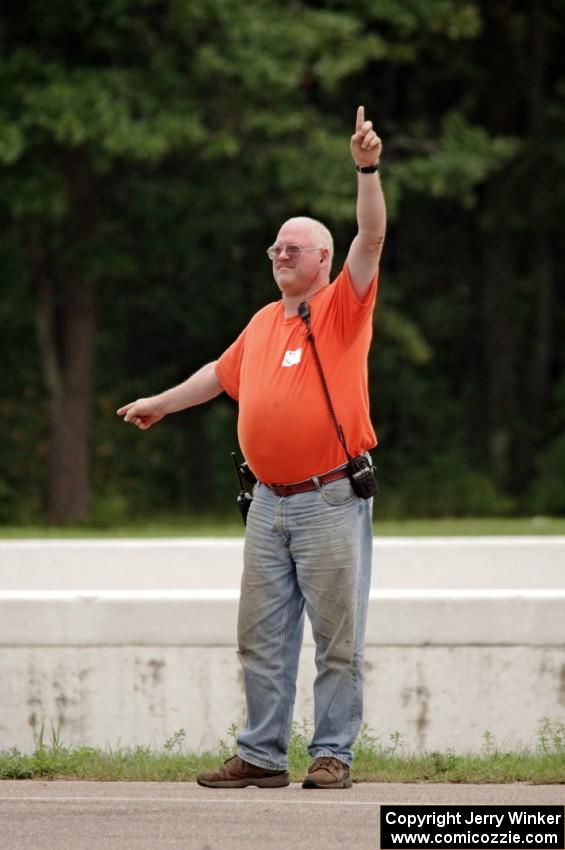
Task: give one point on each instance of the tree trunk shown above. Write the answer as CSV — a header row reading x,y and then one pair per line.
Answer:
x,y
500,298
66,328
68,490
542,267
498,332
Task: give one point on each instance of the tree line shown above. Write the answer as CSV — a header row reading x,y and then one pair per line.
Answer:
x,y
150,149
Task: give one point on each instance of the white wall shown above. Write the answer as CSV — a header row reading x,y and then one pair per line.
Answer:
x,y
110,666
216,562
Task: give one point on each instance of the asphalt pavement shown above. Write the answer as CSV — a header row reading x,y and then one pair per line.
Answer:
x,y
68,815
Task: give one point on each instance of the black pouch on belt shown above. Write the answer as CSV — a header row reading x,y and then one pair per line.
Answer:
x,y
361,473
244,498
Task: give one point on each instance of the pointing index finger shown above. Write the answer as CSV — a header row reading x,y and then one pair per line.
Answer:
x,y
360,120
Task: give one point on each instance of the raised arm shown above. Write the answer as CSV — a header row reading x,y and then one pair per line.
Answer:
x,y
200,387
364,254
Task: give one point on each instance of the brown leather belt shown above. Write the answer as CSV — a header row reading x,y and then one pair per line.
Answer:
x,y
313,483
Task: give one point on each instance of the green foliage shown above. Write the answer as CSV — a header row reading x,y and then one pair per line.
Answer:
x,y
405,335
452,165
374,761
548,489
444,486
457,20
202,125
11,140
551,738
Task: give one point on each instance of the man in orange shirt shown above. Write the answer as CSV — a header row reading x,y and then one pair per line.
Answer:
x,y
308,537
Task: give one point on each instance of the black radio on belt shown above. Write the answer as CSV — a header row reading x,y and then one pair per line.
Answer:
x,y
244,498
246,472
362,476
360,470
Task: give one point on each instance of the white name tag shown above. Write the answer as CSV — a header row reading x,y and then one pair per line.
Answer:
x,y
292,358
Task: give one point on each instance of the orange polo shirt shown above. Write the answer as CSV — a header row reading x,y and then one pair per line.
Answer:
x,y
284,427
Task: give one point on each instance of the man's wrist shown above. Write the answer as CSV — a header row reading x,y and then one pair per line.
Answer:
x,y
367,169
164,403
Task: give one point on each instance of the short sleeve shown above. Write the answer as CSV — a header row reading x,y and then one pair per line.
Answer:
x,y
228,366
351,314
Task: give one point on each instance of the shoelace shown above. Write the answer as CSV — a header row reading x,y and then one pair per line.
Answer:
x,y
239,764
327,763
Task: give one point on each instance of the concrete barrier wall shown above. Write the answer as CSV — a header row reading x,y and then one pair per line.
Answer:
x,y
127,642
465,562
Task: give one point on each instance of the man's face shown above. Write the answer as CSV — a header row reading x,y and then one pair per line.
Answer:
x,y
294,275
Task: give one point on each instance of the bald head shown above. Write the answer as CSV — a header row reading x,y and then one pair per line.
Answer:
x,y
319,233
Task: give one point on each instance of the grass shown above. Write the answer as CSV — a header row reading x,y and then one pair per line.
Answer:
x,y
373,762
214,527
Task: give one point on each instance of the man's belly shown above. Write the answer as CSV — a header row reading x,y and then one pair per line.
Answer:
x,y
288,441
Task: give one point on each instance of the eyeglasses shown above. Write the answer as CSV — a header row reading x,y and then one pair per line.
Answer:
x,y
293,251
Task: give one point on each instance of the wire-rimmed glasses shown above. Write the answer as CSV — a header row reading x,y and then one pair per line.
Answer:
x,y
292,251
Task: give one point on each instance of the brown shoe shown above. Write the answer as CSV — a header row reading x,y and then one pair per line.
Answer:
x,y
328,772
237,773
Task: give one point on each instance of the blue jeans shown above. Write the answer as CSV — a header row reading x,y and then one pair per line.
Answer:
x,y
310,550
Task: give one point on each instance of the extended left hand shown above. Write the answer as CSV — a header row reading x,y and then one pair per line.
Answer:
x,y
366,146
